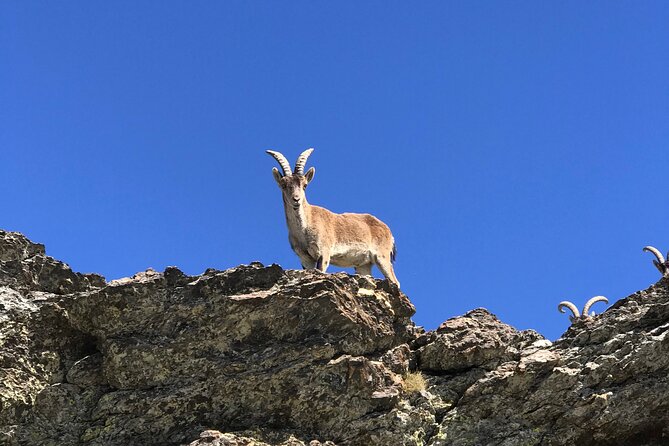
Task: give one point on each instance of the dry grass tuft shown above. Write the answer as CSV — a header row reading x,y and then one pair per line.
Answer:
x,y
413,382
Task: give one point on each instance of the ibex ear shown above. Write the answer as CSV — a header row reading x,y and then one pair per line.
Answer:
x,y
277,175
310,174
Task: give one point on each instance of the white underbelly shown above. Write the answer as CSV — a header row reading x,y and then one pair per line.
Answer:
x,y
346,256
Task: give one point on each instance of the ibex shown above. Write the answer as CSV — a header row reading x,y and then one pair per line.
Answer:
x,y
320,237
586,308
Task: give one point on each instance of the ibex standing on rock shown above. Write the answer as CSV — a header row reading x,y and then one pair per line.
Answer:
x,y
320,237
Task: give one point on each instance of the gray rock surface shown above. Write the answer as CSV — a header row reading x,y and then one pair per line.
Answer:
x,y
261,356
603,383
476,339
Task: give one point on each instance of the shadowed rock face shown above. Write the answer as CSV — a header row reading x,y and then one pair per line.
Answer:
x,y
261,356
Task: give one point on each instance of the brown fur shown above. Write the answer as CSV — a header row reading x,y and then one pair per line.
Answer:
x,y
320,237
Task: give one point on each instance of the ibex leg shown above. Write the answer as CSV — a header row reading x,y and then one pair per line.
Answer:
x,y
322,263
386,267
308,263
364,270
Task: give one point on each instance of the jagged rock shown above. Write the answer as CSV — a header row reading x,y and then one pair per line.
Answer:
x,y
477,339
261,356
37,343
243,347
216,438
25,266
250,346
604,382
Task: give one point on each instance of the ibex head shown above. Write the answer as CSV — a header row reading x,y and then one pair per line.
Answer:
x,y
586,308
292,184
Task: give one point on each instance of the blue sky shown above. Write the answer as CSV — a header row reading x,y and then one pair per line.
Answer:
x,y
517,150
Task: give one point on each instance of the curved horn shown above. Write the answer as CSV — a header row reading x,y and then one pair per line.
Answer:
x,y
589,303
656,252
301,161
566,304
658,255
283,162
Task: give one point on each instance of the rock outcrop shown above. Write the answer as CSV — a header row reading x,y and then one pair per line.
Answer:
x,y
259,356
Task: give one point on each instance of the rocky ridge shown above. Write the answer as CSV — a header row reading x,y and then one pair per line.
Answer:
x,y
258,355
